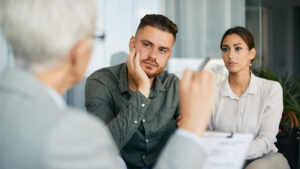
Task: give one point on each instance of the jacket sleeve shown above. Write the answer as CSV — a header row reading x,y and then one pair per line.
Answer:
x,y
81,142
182,152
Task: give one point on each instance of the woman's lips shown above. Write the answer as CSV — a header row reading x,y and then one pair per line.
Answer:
x,y
232,63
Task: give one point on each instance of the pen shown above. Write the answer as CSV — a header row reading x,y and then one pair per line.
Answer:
x,y
204,63
231,135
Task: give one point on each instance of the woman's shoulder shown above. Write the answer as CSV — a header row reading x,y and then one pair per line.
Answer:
x,y
266,83
268,88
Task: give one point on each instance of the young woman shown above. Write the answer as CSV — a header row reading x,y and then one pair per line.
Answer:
x,y
248,104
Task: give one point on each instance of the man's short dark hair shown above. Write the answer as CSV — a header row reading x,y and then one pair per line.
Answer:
x,y
160,22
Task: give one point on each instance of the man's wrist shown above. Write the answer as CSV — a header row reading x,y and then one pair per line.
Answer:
x,y
145,91
192,125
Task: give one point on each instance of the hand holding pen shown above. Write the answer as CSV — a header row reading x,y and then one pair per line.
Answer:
x,y
201,67
204,63
196,96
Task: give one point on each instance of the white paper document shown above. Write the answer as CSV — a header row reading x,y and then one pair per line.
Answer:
x,y
226,150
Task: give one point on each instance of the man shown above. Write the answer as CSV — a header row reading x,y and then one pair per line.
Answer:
x,y
51,41
139,100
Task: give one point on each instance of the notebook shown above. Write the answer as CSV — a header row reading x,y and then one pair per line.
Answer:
x,y
226,150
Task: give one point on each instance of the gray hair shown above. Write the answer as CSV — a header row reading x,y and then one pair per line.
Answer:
x,y
42,32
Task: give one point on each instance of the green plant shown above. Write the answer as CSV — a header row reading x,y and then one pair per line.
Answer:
x,y
290,87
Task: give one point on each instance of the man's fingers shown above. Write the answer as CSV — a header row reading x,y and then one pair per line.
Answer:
x,y
130,59
137,59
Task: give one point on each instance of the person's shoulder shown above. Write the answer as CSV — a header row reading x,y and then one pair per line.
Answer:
x,y
77,135
268,88
74,119
268,84
108,73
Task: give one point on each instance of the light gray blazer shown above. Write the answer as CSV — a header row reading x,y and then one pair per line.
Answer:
x,y
35,133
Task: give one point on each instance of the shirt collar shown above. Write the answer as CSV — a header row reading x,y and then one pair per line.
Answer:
x,y
252,88
226,90
158,86
123,85
56,97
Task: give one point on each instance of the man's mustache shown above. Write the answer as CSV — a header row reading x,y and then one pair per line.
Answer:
x,y
151,61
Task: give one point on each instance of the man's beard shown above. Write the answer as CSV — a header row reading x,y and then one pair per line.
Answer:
x,y
155,66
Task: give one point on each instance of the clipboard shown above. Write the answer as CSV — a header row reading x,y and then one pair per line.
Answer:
x,y
226,150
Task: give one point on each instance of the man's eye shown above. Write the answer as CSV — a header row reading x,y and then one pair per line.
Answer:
x,y
163,50
146,44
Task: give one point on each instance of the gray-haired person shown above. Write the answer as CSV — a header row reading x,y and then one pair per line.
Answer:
x,y
52,43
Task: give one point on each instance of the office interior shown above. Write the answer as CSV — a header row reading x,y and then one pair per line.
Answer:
x,y
275,25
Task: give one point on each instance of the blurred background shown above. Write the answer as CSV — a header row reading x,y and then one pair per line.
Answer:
x,y
275,25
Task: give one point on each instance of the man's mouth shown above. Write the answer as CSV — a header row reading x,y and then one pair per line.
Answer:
x,y
148,63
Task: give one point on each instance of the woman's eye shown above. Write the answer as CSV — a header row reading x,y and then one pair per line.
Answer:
x,y
238,48
224,49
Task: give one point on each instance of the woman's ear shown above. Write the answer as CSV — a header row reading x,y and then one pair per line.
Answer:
x,y
252,53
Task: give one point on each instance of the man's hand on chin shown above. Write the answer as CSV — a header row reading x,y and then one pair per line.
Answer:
x,y
137,74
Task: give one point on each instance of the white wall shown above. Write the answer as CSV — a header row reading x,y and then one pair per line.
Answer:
x,y
3,53
119,20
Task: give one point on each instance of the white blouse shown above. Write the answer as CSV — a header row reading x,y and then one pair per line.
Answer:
x,y
258,111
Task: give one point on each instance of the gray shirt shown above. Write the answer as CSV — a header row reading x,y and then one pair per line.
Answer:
x,y
140,126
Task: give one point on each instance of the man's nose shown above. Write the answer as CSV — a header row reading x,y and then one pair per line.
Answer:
x,y
152,53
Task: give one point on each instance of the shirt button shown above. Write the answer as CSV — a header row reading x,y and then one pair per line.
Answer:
x,y
147,140
143,105
144,156
135,121
144,120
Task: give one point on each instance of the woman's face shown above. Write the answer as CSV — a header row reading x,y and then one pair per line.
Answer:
x,y
236,54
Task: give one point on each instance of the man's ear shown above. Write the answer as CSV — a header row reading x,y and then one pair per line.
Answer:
x,y
79,58
131,43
